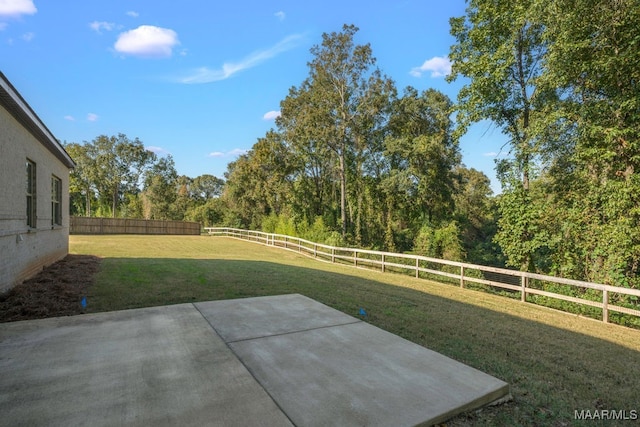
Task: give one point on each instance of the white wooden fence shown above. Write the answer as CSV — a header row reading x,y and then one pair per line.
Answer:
x,y
602,296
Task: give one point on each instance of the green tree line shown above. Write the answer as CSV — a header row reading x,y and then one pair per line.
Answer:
x,y
354,160
117,177
560,78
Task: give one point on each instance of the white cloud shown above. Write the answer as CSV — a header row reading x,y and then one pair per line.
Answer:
x,y
98,26
70,118
234,152
15,8
92,117
438,65
271,115
237,152
490,154
133,14
147,41
157,150
280,15
228,69
28,36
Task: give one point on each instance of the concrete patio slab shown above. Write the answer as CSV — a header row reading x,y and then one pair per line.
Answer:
x,y
247,318
269,361
144,367
345,373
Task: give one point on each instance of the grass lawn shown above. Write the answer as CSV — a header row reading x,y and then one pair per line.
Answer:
x,y
556,363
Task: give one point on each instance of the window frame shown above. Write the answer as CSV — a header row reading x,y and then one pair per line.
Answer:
x,y
31,193
56,201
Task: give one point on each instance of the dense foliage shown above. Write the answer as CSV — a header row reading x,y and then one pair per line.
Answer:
x,y
560,79
117,177
353,160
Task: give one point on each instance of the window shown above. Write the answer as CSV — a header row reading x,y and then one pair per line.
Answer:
x,y
31,194
56,201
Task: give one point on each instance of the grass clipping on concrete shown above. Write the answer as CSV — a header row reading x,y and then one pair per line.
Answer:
x,y
555,363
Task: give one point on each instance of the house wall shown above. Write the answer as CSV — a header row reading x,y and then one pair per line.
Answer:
x,y
24,251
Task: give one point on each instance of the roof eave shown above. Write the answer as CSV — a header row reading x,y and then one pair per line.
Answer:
x,y
13,102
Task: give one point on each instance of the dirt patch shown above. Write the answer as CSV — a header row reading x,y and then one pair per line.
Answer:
x,y
56,291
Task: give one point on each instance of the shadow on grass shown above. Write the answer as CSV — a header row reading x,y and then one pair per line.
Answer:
x,y
552,371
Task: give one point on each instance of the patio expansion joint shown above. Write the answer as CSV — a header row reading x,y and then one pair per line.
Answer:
x,y
237,356
297,331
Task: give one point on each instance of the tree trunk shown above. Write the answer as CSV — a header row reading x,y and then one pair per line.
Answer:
x,y
115,200
343,195
359,218
87,203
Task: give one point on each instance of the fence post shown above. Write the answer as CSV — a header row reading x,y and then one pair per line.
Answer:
x,y
523,283
102,224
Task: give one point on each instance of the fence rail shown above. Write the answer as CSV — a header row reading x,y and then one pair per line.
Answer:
x,y
527,285
85,225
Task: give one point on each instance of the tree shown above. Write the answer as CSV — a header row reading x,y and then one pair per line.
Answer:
x,y
160,190
81,179
594,178
185,200
205,187
119,166
561,79
257,183
313,162
500,48
337,104
477,216
423,154
209,214
593,59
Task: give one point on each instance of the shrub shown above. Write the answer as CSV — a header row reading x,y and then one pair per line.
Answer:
x,y
442,242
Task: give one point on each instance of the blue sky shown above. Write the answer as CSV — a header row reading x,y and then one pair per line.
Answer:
x,y
203,79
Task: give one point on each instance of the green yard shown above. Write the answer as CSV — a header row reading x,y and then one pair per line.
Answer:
x,y
556,363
